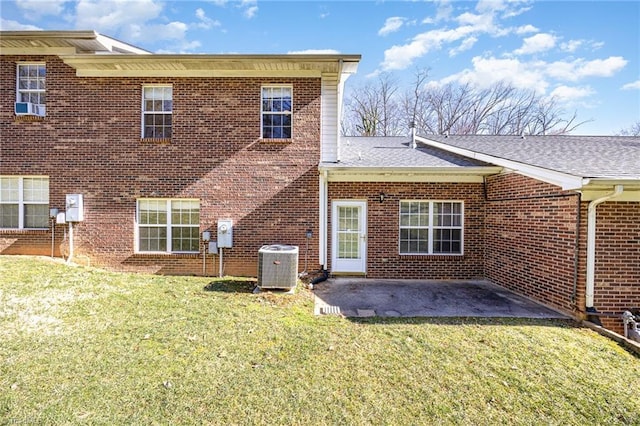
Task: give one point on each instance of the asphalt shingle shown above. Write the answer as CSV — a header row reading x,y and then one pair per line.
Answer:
x,y
584,156
396,152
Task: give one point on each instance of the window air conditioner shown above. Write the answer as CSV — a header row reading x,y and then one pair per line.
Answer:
x,y
28,108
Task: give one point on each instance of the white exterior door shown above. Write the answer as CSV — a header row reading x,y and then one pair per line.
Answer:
x,y
349,237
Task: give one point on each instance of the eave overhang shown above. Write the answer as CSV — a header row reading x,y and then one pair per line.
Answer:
x,y
227,65
62,43
336,173
590,188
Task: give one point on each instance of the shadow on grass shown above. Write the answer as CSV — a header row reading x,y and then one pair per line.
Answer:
x,y
466,321
231,286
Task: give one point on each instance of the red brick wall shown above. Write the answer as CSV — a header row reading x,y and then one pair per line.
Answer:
x,y
617,268
383,258
90,143
531,238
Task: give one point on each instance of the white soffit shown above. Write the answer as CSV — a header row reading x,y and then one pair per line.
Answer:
x,y
208,65
406,174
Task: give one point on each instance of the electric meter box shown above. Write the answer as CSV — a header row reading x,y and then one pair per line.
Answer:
x,y
225,233
75,208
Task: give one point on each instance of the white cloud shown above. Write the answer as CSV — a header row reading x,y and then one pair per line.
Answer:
x,y
632,86
471,25
526,29
34,9
466,44
488,71
391,25
205,22
400,57
571,45
314,52
8,25
579,68
566,94
115,15
249,8
538,43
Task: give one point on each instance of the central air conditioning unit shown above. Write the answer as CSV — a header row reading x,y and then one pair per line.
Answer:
x,y
277,266
28,108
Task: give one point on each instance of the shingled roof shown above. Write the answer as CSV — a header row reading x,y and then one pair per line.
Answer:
x,y
600,157
396,152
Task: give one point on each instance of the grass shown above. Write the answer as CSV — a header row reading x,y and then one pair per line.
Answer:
x,y
86,346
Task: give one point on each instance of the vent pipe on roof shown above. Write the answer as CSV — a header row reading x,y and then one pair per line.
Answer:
x,y
591,247
412,125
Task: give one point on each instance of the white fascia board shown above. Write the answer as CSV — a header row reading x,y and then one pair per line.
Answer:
x,y
406,174
564,180
594,189
113,45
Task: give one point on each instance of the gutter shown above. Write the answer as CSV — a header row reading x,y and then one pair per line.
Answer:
x,y
591,249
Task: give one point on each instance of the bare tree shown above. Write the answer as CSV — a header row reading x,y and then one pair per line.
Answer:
x,y
373,110
500,109
633,130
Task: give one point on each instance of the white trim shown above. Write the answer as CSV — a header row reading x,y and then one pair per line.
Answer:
x,y
39,91
358,266
262,112
431,227
21,201
409,174
144,112
168,226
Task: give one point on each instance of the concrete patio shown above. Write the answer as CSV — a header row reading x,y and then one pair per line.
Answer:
x,y
361,297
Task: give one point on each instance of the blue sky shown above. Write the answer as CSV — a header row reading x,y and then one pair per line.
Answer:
x,y
584,53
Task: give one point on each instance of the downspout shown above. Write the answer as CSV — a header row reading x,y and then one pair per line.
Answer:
x,y
322,231
576,251
591,251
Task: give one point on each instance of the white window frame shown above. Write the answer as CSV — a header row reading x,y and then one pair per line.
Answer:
x,y
280,113
145,112
430,227
169,225
29,91
23,202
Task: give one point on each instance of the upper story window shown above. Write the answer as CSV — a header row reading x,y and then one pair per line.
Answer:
x,y
157,108
24,202
31,89
276,112
168,225
431,227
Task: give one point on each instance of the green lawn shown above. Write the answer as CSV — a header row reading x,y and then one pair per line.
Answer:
x,y
82,345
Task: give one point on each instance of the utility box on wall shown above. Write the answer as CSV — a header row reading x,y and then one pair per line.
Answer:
x,y
75,208
225,233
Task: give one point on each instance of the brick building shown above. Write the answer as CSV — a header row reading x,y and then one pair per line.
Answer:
x,y
163,148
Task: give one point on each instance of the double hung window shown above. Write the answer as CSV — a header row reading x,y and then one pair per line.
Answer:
x,y
157,111
277,110
31,88
24,202
431,227
171,226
